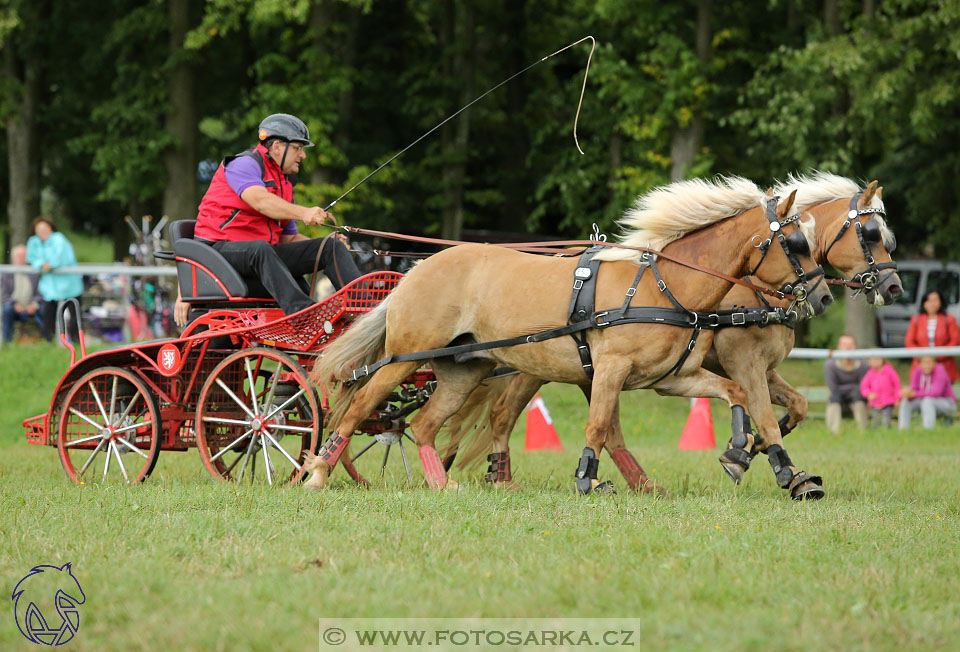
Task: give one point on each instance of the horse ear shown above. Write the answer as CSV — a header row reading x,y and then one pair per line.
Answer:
x,y
880,192
770,191
784,208
868,194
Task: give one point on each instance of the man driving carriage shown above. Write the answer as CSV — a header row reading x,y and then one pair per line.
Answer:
x,y
248,214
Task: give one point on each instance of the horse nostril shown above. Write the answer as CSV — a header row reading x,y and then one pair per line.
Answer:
x,y
827,300
895,291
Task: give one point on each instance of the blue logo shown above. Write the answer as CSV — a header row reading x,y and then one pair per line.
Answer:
x,y
47,604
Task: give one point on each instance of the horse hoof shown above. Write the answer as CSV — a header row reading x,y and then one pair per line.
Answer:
x,y
734,470
653,488
806,486
605,487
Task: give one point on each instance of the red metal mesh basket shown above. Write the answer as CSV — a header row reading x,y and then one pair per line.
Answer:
x,y
312,329
35,429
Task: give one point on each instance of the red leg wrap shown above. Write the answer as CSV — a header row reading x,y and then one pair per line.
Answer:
x,y
331,450
499,469
433,467
632,472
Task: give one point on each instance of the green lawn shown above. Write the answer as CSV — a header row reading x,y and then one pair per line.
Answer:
x,y
185,563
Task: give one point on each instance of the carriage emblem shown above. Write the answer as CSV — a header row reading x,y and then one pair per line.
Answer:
x,y
169,360
47,605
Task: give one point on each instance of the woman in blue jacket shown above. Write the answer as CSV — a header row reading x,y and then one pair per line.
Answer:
x,y
47,250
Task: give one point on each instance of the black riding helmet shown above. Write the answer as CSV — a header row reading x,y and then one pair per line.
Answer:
x,y
285,127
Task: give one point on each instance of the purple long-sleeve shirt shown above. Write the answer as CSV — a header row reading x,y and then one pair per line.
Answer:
x,y
243,172
936,385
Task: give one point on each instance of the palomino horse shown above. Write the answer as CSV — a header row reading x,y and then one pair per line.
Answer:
x,y
854,240
480,293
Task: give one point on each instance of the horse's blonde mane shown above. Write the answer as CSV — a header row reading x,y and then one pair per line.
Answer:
x,y
670,212
820,187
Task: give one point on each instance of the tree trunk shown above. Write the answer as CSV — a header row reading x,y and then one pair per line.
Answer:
x,y
180,159
688,139
456,136
23,146
860,320
831,17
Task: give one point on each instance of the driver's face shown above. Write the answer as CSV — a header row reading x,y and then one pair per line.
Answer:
x,y
296,153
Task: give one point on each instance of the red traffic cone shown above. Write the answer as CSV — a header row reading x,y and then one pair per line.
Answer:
x,y
541,435
698,433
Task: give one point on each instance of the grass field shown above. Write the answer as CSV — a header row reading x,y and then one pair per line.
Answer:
x,y
185,563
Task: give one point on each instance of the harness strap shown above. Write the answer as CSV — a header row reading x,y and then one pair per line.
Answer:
x,y
555,247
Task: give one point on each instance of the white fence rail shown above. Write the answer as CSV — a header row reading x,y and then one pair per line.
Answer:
x,y
93,269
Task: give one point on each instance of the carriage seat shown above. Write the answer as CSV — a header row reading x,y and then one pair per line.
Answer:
x,y
205,275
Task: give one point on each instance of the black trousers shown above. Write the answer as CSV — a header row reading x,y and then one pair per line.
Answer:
x,y
276,265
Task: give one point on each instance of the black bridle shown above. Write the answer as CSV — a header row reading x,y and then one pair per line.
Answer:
x,y
867,234
792,245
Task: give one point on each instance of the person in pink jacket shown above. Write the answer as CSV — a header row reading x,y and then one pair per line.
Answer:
x,y
930,393
881,387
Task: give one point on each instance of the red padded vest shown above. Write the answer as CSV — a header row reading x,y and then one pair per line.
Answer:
x,y
223,215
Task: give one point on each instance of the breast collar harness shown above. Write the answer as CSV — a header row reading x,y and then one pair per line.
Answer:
x,y
866,234
795,243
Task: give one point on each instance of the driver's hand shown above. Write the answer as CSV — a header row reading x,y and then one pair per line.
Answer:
x,y
316,216
180,311
342,237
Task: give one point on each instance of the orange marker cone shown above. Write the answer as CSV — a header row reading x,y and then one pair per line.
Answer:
x,y
698,433
541,435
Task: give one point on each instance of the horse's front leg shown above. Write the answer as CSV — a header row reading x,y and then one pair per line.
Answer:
x,y
631,470
749,369
609,375
783,393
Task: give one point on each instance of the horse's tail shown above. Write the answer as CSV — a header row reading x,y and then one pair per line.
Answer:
x,y
470,430
362,344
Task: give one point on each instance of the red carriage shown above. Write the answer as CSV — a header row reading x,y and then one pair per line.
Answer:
x,y
234,385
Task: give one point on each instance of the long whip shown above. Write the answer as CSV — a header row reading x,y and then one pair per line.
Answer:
x,y
477,99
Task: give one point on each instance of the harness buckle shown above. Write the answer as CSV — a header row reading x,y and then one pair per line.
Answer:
x,y
716,320
661,285
738,318
598,316
578,284
691,345
696,318
631,292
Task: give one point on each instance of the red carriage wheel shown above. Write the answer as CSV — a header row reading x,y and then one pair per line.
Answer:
x,y
109,421
258,408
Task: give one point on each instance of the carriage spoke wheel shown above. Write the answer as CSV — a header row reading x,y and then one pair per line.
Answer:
x,y
388,456
258,416
109,428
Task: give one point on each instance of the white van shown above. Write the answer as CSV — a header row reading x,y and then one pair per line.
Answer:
x,y
918,277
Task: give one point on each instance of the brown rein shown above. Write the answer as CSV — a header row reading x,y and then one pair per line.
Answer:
x,y
556,247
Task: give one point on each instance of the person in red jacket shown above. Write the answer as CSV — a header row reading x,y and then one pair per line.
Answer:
x,y
248,214
934,327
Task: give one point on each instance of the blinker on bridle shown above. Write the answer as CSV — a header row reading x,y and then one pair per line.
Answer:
x,y
867,233
792,245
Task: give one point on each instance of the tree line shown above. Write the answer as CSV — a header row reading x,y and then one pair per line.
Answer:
x,y
111,107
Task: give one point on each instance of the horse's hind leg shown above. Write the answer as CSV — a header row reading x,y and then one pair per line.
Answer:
x,y
455,382
503,417
379,386
783,393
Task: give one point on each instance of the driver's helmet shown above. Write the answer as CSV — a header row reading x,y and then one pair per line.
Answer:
x,y
286,127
